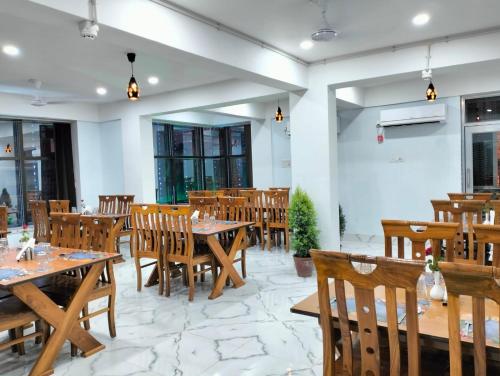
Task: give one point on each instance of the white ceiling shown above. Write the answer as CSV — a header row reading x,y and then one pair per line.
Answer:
x,y
72,68
363,24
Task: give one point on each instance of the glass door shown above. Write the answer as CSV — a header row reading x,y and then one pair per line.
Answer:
x,y
482,157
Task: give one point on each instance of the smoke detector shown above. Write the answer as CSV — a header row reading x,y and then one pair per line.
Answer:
x,y
326,32
89,28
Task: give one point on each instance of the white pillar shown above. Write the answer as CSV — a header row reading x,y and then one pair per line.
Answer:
x,y
138,157
314,155
262,163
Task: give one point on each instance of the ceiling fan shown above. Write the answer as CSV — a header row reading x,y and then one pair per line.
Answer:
x,y
39,101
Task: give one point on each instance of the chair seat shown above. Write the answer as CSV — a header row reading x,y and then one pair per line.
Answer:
x,y
61,289
14,313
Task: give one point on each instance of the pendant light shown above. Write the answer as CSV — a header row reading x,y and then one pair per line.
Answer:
x,y
431,92
279,115
133,87
8,148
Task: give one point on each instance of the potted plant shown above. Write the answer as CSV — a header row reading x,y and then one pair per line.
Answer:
x,y
25,236
302,219
437,292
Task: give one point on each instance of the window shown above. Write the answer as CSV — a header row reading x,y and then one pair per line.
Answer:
x,y
194,158
28,166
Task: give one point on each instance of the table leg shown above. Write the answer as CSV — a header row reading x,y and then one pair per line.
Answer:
x,y
226,261
65,322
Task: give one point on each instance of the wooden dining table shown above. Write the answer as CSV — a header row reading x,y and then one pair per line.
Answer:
x,y
29,289
209,233
432,323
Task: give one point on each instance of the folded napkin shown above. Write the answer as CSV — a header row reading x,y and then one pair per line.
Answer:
x,y
8,273
82,256
195,215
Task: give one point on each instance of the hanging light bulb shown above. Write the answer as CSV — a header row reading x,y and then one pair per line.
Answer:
x,y
431,93
8,148
279,115
133,87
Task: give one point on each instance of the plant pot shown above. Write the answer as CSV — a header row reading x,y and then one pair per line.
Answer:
x,y
304,266
437,292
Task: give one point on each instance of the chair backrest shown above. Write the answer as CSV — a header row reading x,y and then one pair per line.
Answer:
x,y
230,191
487,234
204,205
477,281
391,273
200,193
59,206
232,209
123,207
177,232
108,204
40,217
66,230
146,231
466,213
495,206
254,205
3,218
418,233
97,234
442,210
276,204
486,196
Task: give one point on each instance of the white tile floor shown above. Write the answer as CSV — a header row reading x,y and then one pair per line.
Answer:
x,y
247,331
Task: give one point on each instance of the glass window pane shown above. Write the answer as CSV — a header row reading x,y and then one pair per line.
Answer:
x,y
7,146
215,173
237,140
213,143
187,177
482,109
31,139
160,139
238,168
185,141
164,188
9,191
486,160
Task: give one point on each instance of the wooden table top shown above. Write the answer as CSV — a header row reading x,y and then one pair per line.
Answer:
x,y
206,229
59,265
433,322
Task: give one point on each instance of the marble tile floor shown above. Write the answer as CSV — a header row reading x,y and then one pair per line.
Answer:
x,y
247,331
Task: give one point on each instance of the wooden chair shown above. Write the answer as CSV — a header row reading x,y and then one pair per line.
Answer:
x,y
14,317
96,235
391,273
495,206
285,189
233,209
487,234
434,231
276,204
255,213
66,230
442,210
179,245
41,225
59,206
123,207
3,221
233,192
204,205
107,204
200,194
486,196
146,241
478,282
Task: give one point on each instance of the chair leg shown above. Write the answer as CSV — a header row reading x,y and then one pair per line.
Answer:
x,y
39,328
130,248
261,229
244,263
214,271
74,350
139,273
190,272
167,278
19,332
111,315
202,275
12,336
287,239
85,312
161,273
117,244
268,240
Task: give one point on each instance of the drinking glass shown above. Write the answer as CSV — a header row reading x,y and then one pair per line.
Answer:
x,y
212,221
4,248
42,258
206,217
423,298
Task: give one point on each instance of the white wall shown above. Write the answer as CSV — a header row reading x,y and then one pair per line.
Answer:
x,y
374,185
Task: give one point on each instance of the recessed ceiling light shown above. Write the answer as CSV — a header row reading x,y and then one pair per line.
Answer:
x,y
10,50
421,19
101,91
306,44
489,110
153,80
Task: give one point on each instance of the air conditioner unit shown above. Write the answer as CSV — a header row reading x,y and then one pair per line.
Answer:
x,y
431,113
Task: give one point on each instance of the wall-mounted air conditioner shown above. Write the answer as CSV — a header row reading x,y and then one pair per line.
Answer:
x,y
431,113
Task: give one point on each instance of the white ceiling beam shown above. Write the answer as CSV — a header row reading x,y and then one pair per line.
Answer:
x,y
155,22
255,111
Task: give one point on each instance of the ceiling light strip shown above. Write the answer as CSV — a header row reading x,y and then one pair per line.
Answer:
x,y
221,27
445,39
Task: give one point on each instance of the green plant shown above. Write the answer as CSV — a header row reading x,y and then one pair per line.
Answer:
x,y
433,264
302,220
25,236
342,222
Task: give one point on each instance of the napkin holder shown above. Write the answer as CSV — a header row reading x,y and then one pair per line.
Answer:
x,y
194,216
27,252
